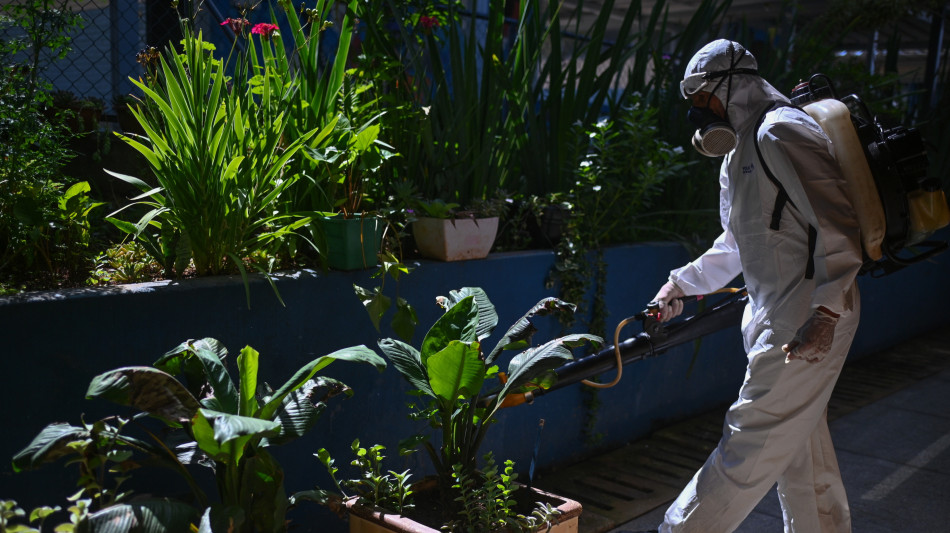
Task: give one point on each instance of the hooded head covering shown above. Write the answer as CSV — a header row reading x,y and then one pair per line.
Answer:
x,y
744,94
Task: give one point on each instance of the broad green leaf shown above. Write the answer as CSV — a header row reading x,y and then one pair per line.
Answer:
x,y
365,138
150,390
203,432
536,362
302,408
487,316
375,303
519,334
459,323
356,354
142,516
456,371
405,320
51,444
407,361
212,355
223,436
247,367
77,188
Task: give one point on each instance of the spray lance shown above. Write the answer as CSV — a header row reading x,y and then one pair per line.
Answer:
x,y
655,339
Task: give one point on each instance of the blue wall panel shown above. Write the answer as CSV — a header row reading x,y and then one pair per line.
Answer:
x,y
54,343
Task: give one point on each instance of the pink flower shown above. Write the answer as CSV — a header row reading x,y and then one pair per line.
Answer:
x,y
427,22
236,25
264,30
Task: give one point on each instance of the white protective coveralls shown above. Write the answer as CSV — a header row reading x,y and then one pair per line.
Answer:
x,y
776,431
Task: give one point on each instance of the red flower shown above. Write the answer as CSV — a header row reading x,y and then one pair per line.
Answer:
x,y
428,22
236,25
264,30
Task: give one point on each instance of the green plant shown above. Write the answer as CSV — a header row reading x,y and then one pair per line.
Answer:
x,y
450,368
11,512
218,152
45,26
622,168
465,116
47,224
328,165
124,263
576,83
487,501
103,455
437,208
377,303
13,519
63,99
394,60
390,490
227,425
351,158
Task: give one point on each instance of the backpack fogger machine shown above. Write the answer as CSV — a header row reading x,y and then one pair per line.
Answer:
x,y
897,203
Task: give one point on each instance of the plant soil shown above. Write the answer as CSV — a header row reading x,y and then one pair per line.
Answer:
x,y
428,509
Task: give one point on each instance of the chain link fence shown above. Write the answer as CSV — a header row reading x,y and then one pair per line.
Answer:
x,y
103,51
112,32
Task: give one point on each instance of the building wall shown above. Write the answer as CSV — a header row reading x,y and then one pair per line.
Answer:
x,y
55,343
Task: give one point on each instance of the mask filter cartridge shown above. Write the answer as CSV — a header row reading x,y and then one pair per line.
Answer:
x,y
714,136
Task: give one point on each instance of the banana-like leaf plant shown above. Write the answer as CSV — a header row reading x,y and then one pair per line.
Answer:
x,y
228,425
451,367
104,457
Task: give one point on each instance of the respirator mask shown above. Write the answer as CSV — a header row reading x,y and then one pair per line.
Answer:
x,y
714,135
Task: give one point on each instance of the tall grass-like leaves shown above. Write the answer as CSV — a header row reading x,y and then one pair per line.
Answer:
x,y
572,84
318,101
217,149
470,129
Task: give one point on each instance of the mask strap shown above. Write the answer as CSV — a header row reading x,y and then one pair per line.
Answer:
x,y
732,69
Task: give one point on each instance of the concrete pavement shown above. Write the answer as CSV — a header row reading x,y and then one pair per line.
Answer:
x,y
889,419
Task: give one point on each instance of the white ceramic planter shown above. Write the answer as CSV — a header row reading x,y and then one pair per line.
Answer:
x,y
455,239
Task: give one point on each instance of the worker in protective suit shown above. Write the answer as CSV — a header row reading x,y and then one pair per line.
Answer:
x,y
791,231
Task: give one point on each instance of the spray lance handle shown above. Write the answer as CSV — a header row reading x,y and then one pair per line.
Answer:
x,y
651,327
654,306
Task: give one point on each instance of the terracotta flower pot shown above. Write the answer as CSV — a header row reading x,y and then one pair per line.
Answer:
x,y
368,519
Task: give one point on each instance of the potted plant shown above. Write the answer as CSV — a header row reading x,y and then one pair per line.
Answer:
x,y
336,169
443,232
214,422
352,157
449,370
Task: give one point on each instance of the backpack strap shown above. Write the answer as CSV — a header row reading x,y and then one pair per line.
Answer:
x,y
782,197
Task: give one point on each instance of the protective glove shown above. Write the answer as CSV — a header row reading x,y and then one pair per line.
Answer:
x,y
668,301
813,340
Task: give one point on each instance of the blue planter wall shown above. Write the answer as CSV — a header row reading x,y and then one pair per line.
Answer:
x,y
54,343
